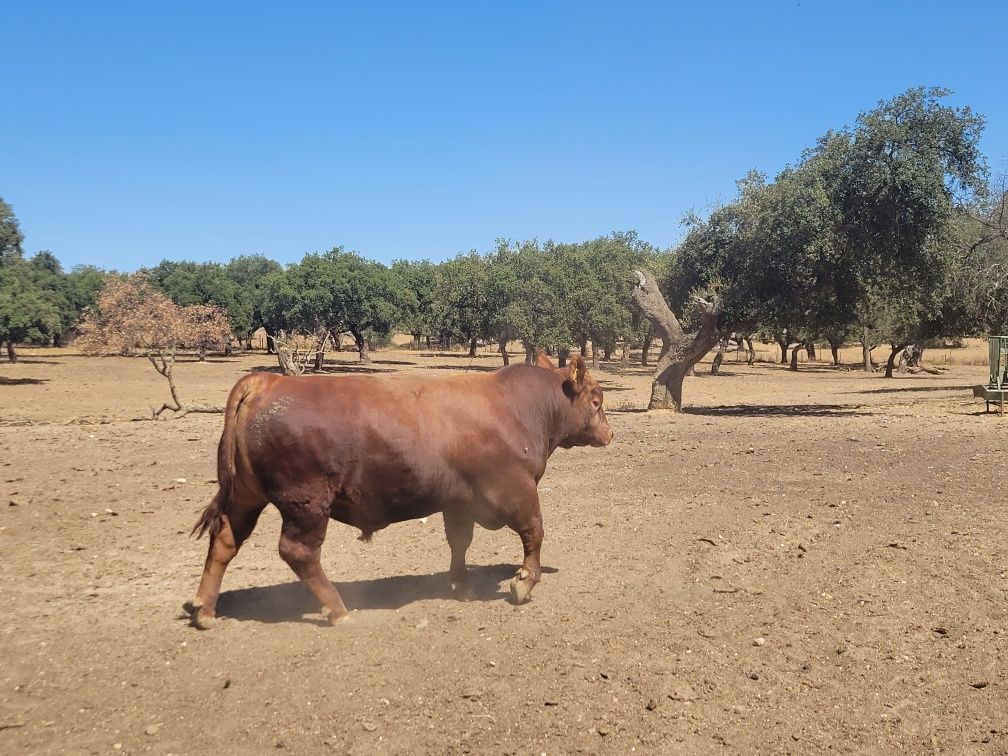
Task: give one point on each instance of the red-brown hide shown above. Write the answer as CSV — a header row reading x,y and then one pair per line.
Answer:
x,y
369,451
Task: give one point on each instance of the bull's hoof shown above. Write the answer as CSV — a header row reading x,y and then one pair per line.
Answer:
x,y
463,592
198,618
521,587
203,621
337,619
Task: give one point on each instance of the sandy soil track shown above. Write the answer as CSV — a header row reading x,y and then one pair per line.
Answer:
x,y
803,562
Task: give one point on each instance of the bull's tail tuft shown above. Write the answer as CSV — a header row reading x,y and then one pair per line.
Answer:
x,y
211,519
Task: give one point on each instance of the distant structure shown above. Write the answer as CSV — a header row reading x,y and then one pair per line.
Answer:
x,y
997,387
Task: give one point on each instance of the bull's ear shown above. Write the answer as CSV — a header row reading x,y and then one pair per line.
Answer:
x,y
543,361
575,380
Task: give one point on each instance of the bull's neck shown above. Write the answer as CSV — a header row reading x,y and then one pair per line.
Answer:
x,y
539,408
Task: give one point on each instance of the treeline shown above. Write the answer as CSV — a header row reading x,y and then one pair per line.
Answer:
x,y
888,232
543,295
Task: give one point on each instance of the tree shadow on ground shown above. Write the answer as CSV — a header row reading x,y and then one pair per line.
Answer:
x,y
612,388
22,360
804,367
289,602
632,369
5,381
779,410
910,389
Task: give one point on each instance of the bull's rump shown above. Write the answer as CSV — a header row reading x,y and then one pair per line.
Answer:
x,y
375,450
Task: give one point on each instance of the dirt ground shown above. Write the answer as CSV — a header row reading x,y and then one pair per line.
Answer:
x,y
800,563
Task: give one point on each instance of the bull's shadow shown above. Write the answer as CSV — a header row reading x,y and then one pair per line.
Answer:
x,y
289,602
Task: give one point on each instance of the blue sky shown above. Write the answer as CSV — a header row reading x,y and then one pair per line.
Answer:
x,y
131,132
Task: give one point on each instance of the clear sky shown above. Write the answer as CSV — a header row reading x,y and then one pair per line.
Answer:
x,y
135,131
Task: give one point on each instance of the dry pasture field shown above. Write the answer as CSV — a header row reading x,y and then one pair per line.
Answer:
x,y
800,563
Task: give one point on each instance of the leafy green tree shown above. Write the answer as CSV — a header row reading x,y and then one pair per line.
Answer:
x,y
27,310
336,292
460,299
600,302
539,317
48,276
415,281
84,285
11,237
911,164
249,274
278,304
367,296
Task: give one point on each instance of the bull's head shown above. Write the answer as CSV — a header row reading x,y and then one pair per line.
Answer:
x,y
584,422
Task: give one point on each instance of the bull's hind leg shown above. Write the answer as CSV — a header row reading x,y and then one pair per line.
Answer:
x,y
301,547
459,531
236,525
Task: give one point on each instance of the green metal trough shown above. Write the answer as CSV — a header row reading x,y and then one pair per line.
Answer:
x,y
997,387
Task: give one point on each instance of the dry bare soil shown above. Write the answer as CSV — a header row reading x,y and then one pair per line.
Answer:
x,y
800,563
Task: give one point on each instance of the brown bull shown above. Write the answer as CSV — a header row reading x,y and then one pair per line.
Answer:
x,y
369,451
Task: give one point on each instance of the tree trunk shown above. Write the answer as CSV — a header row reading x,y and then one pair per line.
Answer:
x,y
502,343
866,350
810,350
896,349
715,367
783,344
835,349
362,346
680,351
11,354
607,353
562,356
529,353
752,352
625,357
584,347
319,361
594,356
270,343
794,357
202,353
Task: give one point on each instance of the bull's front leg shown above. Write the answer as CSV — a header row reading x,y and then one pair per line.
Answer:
x,y
529,526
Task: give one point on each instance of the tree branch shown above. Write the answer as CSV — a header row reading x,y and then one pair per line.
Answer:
x,y
648,297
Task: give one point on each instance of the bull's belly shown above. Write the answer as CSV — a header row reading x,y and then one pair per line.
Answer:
x,y
371,514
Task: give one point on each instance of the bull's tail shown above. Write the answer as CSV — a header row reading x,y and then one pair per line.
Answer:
x,y
212,518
